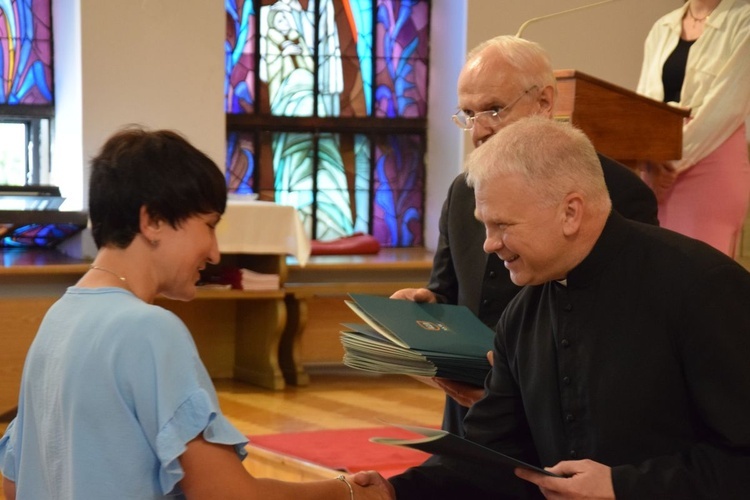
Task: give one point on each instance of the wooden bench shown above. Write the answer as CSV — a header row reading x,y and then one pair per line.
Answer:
x,y
237,332
246,335
315,297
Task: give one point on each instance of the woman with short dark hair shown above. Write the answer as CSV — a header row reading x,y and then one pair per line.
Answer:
x,y
115,402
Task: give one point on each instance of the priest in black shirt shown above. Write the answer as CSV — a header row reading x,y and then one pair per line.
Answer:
x,y
623,363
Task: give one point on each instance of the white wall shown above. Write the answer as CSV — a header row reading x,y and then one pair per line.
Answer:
x,y
158,63
445,147
605,41
67,152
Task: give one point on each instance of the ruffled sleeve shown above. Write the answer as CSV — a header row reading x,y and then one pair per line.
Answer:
x,y
199,413
169,391
7,455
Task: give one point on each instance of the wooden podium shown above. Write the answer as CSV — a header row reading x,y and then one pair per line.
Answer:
x,y
620,123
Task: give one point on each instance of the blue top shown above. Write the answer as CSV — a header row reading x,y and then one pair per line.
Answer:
x,y
112,390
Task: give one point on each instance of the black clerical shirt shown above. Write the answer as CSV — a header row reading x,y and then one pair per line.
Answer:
x,y
640,361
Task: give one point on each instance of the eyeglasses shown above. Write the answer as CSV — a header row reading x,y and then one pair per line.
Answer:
x,y
487,118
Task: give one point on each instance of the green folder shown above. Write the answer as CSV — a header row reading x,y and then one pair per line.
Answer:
x,y
428,340
443,328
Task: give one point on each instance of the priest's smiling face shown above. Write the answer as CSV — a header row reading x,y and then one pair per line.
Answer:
x,y
525,232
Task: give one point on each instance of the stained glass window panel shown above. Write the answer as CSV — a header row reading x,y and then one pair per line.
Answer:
x,y
333,219
287,64
240,167
340,75
37,235
25,52
398,210
359,15
293,169
362,182
335,207
401,59
239,81
350,101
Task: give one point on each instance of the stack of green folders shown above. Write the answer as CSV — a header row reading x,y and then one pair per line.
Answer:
x,y
428,340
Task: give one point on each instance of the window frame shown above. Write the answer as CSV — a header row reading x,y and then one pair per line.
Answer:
x,y
38,120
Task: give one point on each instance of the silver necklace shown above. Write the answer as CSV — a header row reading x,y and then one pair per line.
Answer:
x,y
98,268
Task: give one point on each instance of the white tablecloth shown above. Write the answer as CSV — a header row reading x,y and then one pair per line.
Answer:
x,y
262,227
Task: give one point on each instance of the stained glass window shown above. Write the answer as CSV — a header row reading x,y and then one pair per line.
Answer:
x,y
25,52
326,111
26,90
37,235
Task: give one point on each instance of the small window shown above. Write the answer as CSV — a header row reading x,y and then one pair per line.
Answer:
x,y
26,84
24,151
13,154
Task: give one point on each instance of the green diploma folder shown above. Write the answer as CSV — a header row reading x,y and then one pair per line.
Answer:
x,y
430,340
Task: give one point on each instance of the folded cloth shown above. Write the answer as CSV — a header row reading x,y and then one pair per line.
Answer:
x,y
355,244
242,279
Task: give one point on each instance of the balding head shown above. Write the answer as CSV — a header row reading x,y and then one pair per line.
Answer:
x,y
529,61
508,75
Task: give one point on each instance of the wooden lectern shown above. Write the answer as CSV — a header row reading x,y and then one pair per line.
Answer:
x,y
620,123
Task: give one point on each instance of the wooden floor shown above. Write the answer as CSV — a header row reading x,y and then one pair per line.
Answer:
x,y
335,398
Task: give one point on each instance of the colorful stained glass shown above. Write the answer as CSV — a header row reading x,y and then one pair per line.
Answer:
x,y
240,165
325,60
401,59
25,52
309,174
239,80
362,182
341,83
359,17
398,210
287,65
38,235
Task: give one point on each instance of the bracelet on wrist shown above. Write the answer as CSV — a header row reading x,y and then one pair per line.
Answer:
x,y
343,479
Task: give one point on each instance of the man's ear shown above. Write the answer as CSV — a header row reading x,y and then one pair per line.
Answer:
x,y
546,101
572,213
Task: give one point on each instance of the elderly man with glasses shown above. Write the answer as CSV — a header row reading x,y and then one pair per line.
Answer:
x,y
504,79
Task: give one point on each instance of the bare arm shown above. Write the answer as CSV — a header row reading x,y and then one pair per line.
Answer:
x,y
213,471
9,489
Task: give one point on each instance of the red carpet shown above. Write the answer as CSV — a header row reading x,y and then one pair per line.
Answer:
x,y
347,450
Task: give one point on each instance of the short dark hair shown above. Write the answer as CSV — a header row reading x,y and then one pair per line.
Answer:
x,y
158,169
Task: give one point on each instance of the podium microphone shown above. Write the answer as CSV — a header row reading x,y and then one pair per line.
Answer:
x,y
535,19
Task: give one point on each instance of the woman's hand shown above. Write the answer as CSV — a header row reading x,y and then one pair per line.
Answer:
x,y
661,177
